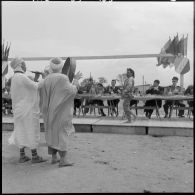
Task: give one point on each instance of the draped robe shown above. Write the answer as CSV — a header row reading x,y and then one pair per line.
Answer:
x,y
25,104
56,105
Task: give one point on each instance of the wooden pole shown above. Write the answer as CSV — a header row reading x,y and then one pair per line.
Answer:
x,y
182,75
182,80
143,84
99,57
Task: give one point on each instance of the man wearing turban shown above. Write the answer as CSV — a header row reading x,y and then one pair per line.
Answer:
x,y
57,98
24,95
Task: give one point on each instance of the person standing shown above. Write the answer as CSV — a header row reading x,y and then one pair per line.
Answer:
x,y
57,97
128,94
25,105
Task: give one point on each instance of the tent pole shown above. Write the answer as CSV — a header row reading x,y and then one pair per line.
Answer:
x,y
181,80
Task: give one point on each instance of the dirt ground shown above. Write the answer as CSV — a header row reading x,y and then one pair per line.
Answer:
x,y
105,163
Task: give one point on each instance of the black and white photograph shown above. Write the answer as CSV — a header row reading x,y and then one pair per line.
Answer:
x,y
97,96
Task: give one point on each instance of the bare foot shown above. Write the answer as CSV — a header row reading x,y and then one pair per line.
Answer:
x,y
54,161
24,159
65,164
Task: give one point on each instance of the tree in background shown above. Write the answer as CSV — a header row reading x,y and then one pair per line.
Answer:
x,y
87,81
102,80
121,78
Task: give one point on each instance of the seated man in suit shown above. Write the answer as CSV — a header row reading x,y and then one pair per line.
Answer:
x,y
173,89
190,91
99,90
113,89
88,90
155,89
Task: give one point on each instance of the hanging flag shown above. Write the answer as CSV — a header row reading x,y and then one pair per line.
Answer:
x,y
182,65
167,44
163,51
186,68
177,61
180,46
175,45
172,49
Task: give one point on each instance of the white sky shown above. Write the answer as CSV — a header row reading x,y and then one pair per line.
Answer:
x,y
99,28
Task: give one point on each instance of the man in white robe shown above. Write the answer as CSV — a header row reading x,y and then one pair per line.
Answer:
x,y
56,105
25,104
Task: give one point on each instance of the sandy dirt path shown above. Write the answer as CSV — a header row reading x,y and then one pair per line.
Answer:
x,y
105,163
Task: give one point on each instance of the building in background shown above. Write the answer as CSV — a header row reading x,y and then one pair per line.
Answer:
x,y
142,88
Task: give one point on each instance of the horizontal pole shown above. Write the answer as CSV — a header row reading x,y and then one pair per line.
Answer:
x,y
99,57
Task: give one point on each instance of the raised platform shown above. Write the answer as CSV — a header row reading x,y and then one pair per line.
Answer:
x,y
142,126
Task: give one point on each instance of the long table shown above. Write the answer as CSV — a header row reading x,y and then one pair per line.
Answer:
x,y
142,98
136,97
173,98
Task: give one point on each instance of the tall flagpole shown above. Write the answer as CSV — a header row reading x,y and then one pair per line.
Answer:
x,y
182,75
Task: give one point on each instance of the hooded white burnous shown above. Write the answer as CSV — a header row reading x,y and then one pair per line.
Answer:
x,y
56,104
25,104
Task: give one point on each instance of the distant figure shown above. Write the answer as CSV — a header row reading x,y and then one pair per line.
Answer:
x,y
155,89
7,102
190,91
128,94
113,89
77,101
24,95
173,90
57,97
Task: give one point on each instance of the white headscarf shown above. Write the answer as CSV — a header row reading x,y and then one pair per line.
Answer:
x,y
16,63
56,64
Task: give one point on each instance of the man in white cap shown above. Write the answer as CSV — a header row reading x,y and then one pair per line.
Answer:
x,y
57,98
24,95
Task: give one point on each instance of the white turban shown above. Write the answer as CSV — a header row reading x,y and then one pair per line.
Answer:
x,y
56,64
16,63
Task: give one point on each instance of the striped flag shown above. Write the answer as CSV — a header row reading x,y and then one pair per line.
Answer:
x,y
182,65
186,68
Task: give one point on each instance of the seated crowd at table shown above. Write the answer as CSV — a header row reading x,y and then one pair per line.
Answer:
x,y
98,89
